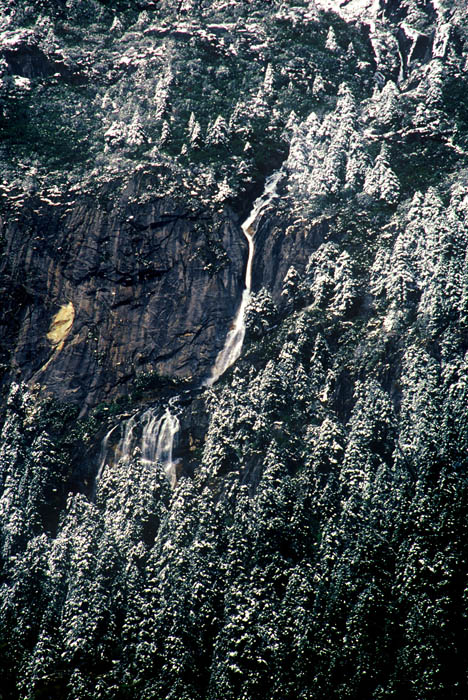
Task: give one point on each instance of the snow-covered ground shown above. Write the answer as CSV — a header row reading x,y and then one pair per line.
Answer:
x,y
351,9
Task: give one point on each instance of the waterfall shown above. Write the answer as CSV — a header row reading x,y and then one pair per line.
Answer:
x,y
235,337
151,420
158,433
169,428
157,440
127,441
102,460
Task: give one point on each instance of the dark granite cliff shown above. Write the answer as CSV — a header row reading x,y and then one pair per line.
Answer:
x,y
150,288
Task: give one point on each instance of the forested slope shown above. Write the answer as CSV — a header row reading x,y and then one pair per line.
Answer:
x,y
314,544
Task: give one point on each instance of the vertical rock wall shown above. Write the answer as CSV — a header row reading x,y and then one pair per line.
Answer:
x,y
153,288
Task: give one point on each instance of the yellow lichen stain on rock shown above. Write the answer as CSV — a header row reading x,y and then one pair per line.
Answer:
x,y
61,325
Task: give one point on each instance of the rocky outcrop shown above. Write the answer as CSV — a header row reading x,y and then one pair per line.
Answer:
x,y
24,58
151,285
276,251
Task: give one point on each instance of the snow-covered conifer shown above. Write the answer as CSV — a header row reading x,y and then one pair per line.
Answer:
x,y
401,282
357,162
291,122
271,390
331,42
372,419
381,182
116,25
268,79
320,274
291,287
115,135
261,312
319,86
162,92
191,123
419,432
217,133
195,136
224,191
351,51
135,132
345,287
165,133
386,109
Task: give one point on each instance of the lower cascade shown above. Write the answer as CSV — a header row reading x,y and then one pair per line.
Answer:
x,y
154,433
158,440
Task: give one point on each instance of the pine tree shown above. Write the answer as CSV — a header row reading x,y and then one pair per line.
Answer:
x,y
261,313
195,136
291,290
165,133
381,182
268,80
331,44
345,285
387,110
357,163
218,133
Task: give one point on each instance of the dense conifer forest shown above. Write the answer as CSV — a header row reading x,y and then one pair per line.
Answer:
x,y
296,528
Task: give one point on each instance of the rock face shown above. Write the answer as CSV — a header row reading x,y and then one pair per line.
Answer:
x,y
275,252
152,287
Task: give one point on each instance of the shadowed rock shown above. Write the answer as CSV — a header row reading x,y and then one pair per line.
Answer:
x,y
150,292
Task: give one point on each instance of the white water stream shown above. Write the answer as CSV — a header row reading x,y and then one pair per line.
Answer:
x,y
159,430
157,441
102,459
235,337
